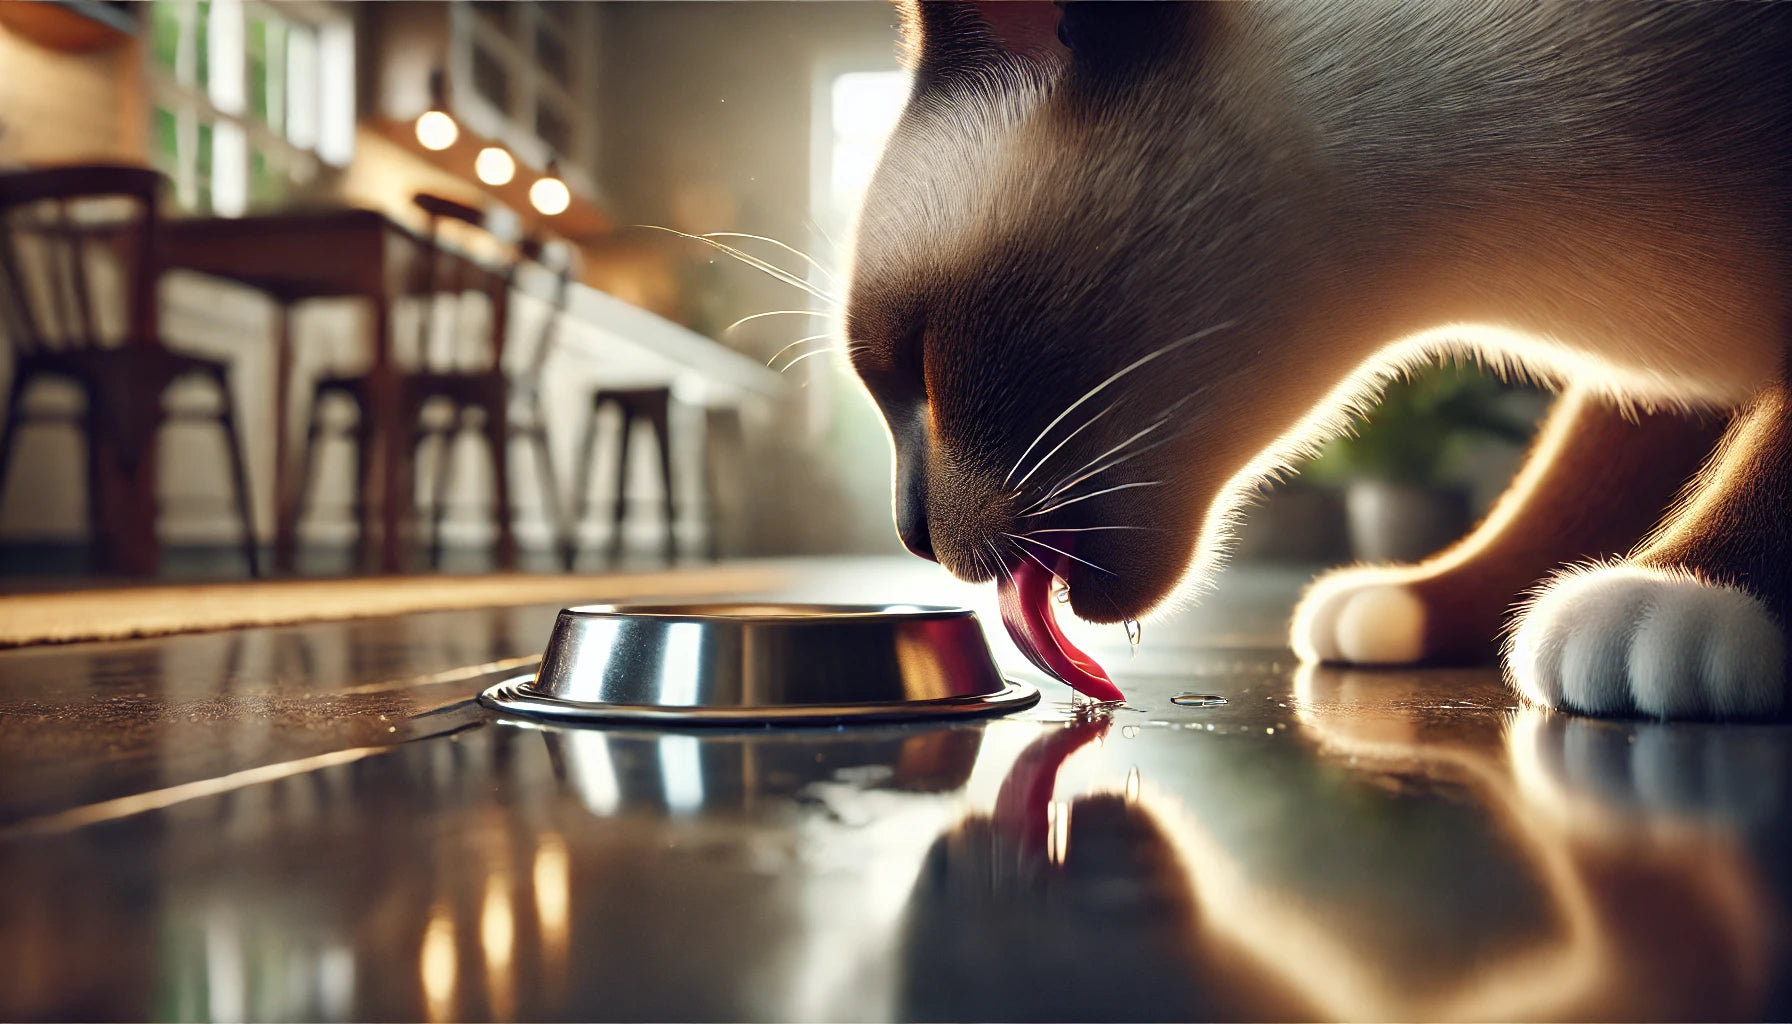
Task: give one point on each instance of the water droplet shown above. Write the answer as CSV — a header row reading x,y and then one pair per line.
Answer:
x,y
1130,731
1134,632
1062,594
1197,700
1132,785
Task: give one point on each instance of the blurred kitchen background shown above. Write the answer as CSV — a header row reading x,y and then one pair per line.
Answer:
x,y
394,239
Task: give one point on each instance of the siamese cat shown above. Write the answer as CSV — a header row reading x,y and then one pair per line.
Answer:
x,y
1121,262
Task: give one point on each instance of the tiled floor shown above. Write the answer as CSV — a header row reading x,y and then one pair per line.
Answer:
x,y
315,823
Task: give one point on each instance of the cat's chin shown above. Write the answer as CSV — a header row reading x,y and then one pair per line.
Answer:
x,y
1130,586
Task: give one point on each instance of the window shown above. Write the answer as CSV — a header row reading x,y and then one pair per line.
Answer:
x,y
532,68
862,109
249,97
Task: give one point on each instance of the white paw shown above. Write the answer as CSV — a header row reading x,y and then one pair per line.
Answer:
x,y
1626,640
1362,616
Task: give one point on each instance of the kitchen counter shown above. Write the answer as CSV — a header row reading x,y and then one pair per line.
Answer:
x,y
316,822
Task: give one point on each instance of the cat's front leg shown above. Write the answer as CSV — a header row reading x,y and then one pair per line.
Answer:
x,y
1597,479
1693,625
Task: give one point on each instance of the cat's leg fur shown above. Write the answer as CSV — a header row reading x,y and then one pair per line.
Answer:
x,y
1693,624
1597,479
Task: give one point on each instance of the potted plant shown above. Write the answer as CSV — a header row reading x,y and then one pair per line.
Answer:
x,y
1406,493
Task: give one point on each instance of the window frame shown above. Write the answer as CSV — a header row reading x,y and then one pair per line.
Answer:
x,y
531,86
196,107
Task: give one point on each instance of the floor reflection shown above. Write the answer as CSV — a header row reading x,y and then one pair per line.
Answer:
x,y
1658,909
1080,908
1326,844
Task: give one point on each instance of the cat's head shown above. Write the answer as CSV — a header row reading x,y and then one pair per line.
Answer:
x,y
1075,245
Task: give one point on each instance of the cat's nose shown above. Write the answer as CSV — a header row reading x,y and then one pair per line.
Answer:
x,y
917,542
911,522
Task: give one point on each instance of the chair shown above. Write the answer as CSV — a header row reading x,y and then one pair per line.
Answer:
x,y
509,409
439,384
54,265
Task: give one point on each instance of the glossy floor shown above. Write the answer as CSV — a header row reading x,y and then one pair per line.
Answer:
x,y
313,823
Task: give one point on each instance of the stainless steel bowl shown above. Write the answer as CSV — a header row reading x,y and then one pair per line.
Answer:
x,y
762,663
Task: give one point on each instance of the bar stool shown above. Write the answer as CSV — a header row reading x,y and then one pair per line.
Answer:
x,y
651,407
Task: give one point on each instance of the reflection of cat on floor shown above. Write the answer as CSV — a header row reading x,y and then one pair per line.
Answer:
x,y
1634,830
1071,910
1392,864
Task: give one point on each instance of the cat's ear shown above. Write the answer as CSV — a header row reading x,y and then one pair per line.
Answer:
x,y
951,37
1106,36
948,38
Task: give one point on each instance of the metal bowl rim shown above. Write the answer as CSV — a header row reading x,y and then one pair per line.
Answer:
x,y
516,696
806,614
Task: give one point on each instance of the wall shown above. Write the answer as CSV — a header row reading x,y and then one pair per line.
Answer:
x,y
707,112
63,107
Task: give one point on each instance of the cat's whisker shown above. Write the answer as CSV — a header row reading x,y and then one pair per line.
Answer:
x,y
1065,486
994,566
823,232
799,341
820,351
773,269
1029,554
1086,497
776,312
770,269
1061,551
1117,375
791,249
1085,472
1111,406
1086,529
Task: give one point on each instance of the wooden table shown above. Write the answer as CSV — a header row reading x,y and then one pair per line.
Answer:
x,y
293,257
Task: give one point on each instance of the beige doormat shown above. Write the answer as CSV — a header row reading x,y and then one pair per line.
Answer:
x,y
121,613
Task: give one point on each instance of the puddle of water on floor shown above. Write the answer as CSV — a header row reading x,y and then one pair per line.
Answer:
x,y
1197,700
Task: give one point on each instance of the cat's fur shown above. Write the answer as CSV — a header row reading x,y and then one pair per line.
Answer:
x,y
1229,222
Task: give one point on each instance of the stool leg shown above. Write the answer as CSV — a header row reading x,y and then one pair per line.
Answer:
x,y
438,508
620,515
238,474
552,508
497,439
581,491
303,483
15,415
363,483
662,429
712,506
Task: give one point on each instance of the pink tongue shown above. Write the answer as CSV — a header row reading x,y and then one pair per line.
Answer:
x,y
1026,601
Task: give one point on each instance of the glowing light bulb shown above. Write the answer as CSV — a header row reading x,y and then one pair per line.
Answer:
x,y
494,165
550,196
436,130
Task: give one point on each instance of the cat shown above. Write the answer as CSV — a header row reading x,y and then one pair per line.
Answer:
x,y
1122,262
